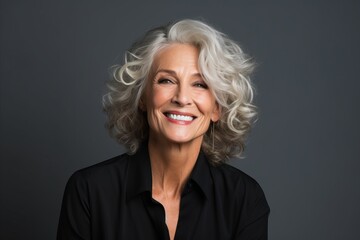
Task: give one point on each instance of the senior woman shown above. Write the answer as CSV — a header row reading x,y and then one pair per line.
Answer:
x,y
182,105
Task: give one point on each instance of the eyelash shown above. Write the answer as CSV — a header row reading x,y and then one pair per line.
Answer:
x,y
202,85
164,81
168,81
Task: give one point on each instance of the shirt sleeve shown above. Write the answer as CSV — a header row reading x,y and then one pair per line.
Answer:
x,y
74,222
254,225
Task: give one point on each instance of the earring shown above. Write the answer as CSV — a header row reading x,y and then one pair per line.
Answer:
x,y
212,134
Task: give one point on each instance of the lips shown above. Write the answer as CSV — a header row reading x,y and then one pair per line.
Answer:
x,y
179,116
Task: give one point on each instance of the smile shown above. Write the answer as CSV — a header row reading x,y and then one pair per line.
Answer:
x,y
179,117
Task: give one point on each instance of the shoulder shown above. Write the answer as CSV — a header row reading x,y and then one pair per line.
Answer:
x,y
243,202
232,178
243,190
101,173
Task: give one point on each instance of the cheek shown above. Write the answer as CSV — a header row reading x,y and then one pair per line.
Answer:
x,y
159,97
206,103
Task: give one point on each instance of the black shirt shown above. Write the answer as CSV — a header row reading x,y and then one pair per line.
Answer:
x,y
112,200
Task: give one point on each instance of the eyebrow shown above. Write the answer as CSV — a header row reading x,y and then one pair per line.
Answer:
x,y
174,73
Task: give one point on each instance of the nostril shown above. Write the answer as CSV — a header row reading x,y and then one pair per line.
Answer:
x,y
175,101
181,99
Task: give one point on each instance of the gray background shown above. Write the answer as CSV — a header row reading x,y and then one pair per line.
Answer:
x,y
304,150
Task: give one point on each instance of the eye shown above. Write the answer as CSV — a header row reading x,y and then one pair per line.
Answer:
x,y
201,85
164,81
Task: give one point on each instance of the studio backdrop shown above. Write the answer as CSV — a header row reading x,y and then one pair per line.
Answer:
x,y
55,58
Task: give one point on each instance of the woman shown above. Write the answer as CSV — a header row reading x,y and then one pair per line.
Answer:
x,y
181,104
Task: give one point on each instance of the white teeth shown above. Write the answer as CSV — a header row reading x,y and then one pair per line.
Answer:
x,y
180,117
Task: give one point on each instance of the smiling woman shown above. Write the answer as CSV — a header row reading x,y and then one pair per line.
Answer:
x,y
178,103
182,105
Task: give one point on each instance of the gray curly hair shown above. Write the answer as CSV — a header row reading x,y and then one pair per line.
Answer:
x,y
225,69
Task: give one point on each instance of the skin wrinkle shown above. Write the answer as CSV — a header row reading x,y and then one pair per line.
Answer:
x,y
176,87
224,67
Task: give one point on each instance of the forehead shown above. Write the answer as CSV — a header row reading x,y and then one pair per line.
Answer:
x,y
176,55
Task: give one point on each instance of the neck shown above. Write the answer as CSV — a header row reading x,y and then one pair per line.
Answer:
x,y
171,165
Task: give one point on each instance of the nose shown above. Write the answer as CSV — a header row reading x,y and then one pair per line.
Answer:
x,y
182,96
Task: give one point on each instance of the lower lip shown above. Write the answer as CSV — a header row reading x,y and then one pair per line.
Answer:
x,y
180,122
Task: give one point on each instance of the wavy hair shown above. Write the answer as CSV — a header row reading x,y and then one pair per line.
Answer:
x,y
225,68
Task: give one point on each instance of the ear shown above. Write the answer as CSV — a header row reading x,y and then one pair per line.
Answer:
x,y
215,116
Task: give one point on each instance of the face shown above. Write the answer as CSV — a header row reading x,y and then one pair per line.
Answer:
x,y
179,104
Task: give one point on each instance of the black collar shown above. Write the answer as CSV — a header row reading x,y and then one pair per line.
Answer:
x,y
139,178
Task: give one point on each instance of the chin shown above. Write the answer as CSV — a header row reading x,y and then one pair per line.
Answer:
x,y
184,139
